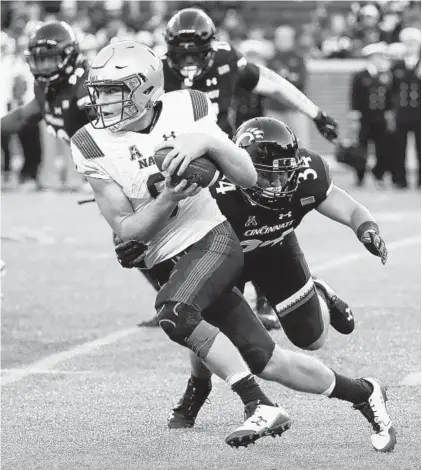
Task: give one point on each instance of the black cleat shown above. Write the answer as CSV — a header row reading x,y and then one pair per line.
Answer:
x,y
152,323
184,414
266,314
260,421
341,317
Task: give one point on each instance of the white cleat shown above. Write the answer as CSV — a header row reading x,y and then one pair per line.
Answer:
x,y
262,420
375,411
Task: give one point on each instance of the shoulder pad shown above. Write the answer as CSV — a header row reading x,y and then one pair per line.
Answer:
x,y
199,104
86,144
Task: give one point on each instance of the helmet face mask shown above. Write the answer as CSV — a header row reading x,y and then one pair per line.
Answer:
x,y
125,81
189,37
52,52
118,108
274,151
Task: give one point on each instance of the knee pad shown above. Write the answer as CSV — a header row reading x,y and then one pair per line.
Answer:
x,y
184,325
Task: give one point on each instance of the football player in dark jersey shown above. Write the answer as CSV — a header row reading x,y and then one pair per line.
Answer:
x,y
60,72
195,59
291,182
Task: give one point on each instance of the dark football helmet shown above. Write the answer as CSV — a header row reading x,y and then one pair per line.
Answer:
x,y
274,151
189,36
52,52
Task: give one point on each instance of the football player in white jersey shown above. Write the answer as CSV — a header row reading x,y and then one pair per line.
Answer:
x,y
185,224
133,115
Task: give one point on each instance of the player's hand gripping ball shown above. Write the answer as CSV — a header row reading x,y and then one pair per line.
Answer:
x,y
201,171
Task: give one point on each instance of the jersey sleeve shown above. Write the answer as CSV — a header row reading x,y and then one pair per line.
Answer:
x,y
204,115
248,72
86,155
315,182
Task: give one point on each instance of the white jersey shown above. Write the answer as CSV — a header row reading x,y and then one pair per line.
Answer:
x,y
126,157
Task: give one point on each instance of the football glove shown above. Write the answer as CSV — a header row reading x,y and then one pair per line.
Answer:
x,y
368,234
327,126
131,254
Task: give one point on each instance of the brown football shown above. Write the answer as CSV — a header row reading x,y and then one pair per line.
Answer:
x,y
201,171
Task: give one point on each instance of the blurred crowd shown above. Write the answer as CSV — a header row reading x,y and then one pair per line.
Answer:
x,y
281,35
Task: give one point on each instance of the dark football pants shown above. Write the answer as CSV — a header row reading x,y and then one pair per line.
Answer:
x,y
284,278
399,155
5,146
204,278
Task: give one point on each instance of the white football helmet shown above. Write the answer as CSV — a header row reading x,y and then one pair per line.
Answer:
x,y
132,68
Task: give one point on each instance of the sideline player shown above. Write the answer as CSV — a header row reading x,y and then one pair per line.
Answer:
x,y
125,85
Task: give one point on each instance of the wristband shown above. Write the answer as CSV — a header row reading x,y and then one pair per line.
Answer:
x,y
369,225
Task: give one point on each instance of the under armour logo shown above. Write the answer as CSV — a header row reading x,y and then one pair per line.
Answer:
x,y
259,420
349,314
281,216
251,221
167,137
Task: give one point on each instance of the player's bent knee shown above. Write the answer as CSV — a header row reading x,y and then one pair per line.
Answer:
x,y
307,325
178,321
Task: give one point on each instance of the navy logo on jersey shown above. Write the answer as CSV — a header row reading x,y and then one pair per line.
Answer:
x,y
143,162
251,221
250,135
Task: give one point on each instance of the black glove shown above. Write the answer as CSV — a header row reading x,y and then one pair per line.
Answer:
x,y
368,234
327,126
130,254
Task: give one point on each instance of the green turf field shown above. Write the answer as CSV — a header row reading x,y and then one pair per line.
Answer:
x,y
83,388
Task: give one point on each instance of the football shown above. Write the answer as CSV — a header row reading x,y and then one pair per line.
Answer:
x,y
201,171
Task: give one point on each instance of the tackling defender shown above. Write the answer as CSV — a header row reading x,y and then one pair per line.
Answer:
x,y
196,59
195,307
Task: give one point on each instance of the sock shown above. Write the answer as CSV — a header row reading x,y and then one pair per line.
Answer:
x,y
248,390
355,391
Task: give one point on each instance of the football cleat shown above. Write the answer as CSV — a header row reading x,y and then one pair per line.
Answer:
x,y
341,317
374,409
184,414
266,314
260,421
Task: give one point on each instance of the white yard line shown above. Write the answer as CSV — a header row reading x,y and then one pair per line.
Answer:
x,y
52,360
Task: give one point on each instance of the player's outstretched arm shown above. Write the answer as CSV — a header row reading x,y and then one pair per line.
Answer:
x,y
275,86
144,224
17,119
341,207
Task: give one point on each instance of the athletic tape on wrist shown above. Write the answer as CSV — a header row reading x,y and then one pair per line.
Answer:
x,y
369,225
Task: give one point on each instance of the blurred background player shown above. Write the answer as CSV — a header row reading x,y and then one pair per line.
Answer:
x,y
407,105
59,72
371,110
